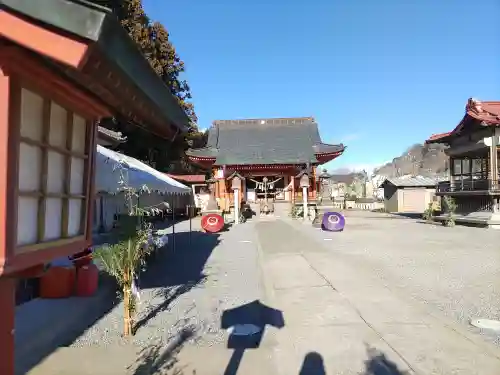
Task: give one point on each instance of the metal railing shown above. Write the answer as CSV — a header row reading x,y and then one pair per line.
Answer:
x,y
468,185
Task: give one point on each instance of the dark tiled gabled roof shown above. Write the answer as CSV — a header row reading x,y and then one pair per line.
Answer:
x,y
264,141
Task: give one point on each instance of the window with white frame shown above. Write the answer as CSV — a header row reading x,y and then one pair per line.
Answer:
x,y
53,171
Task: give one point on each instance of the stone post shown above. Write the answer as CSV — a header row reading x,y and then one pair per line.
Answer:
x,y
236,206
304,184
236,186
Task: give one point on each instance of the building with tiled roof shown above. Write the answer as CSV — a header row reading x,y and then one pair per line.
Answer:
x,y
474,179
276,148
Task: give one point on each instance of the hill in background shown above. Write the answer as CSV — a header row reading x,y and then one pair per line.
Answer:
x,y
419,159
423,160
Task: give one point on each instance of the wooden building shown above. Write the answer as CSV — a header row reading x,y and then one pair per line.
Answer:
x,y
64,65
277,149
408,194
28,289
474,169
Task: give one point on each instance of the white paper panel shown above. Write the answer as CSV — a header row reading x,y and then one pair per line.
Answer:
x,y
79,132
55,178
75,217
53,218
31,115
77,171
58,125
30,159
27,215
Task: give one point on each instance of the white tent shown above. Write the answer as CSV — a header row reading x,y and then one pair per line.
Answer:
x,y
113,167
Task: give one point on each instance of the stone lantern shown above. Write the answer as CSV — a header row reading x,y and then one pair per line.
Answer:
x,y
323,189
211,202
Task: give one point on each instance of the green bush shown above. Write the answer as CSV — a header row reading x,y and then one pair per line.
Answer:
x,y
449,208
429,212
295,211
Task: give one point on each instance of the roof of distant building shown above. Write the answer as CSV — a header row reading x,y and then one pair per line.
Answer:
x,y
344,178
192,178
412,181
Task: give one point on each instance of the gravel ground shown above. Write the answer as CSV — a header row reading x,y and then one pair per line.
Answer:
x,y
454,271
188,288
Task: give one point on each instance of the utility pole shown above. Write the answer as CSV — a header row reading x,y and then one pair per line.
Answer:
x,y
365,181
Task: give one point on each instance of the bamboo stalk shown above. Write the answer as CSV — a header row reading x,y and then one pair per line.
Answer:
x,y
127,299
126,304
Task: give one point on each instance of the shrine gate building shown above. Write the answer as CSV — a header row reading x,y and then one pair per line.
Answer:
x,y
277,149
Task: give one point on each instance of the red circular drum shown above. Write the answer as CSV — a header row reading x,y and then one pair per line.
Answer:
x,y
212,223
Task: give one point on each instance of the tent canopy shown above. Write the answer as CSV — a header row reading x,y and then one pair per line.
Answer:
x,y
112,168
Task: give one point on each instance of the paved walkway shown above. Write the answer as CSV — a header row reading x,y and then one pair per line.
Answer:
x,y
339,317
349,323
184,294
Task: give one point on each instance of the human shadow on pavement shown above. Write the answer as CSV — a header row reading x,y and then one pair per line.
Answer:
x,y
175,271
155,359
312,365
378,364
246,325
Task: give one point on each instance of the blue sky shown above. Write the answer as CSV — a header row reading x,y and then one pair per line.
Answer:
x,y
378,76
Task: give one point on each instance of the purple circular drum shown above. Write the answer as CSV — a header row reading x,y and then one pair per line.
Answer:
x,y
333,222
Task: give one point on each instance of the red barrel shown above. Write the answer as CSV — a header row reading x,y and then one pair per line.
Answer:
x,y
57,282
87,280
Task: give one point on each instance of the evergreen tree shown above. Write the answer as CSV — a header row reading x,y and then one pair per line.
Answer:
x,y
152,39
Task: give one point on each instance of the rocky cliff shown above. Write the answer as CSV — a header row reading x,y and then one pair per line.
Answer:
x,y
423,160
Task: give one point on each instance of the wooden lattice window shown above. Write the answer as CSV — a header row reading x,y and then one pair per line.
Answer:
x,y
53,172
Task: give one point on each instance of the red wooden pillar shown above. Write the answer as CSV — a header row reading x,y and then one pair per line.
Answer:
x,y
7,285
7,307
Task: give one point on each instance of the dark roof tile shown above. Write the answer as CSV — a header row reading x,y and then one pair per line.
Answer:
x,y
264,141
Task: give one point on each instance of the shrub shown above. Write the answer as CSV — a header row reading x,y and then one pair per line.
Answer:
x,y
429,212
449,208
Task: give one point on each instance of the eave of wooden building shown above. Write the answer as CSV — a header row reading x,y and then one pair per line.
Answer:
x,y
86,44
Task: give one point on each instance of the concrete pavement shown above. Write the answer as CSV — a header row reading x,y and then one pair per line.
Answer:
x,y
352,320
184,294
340,316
